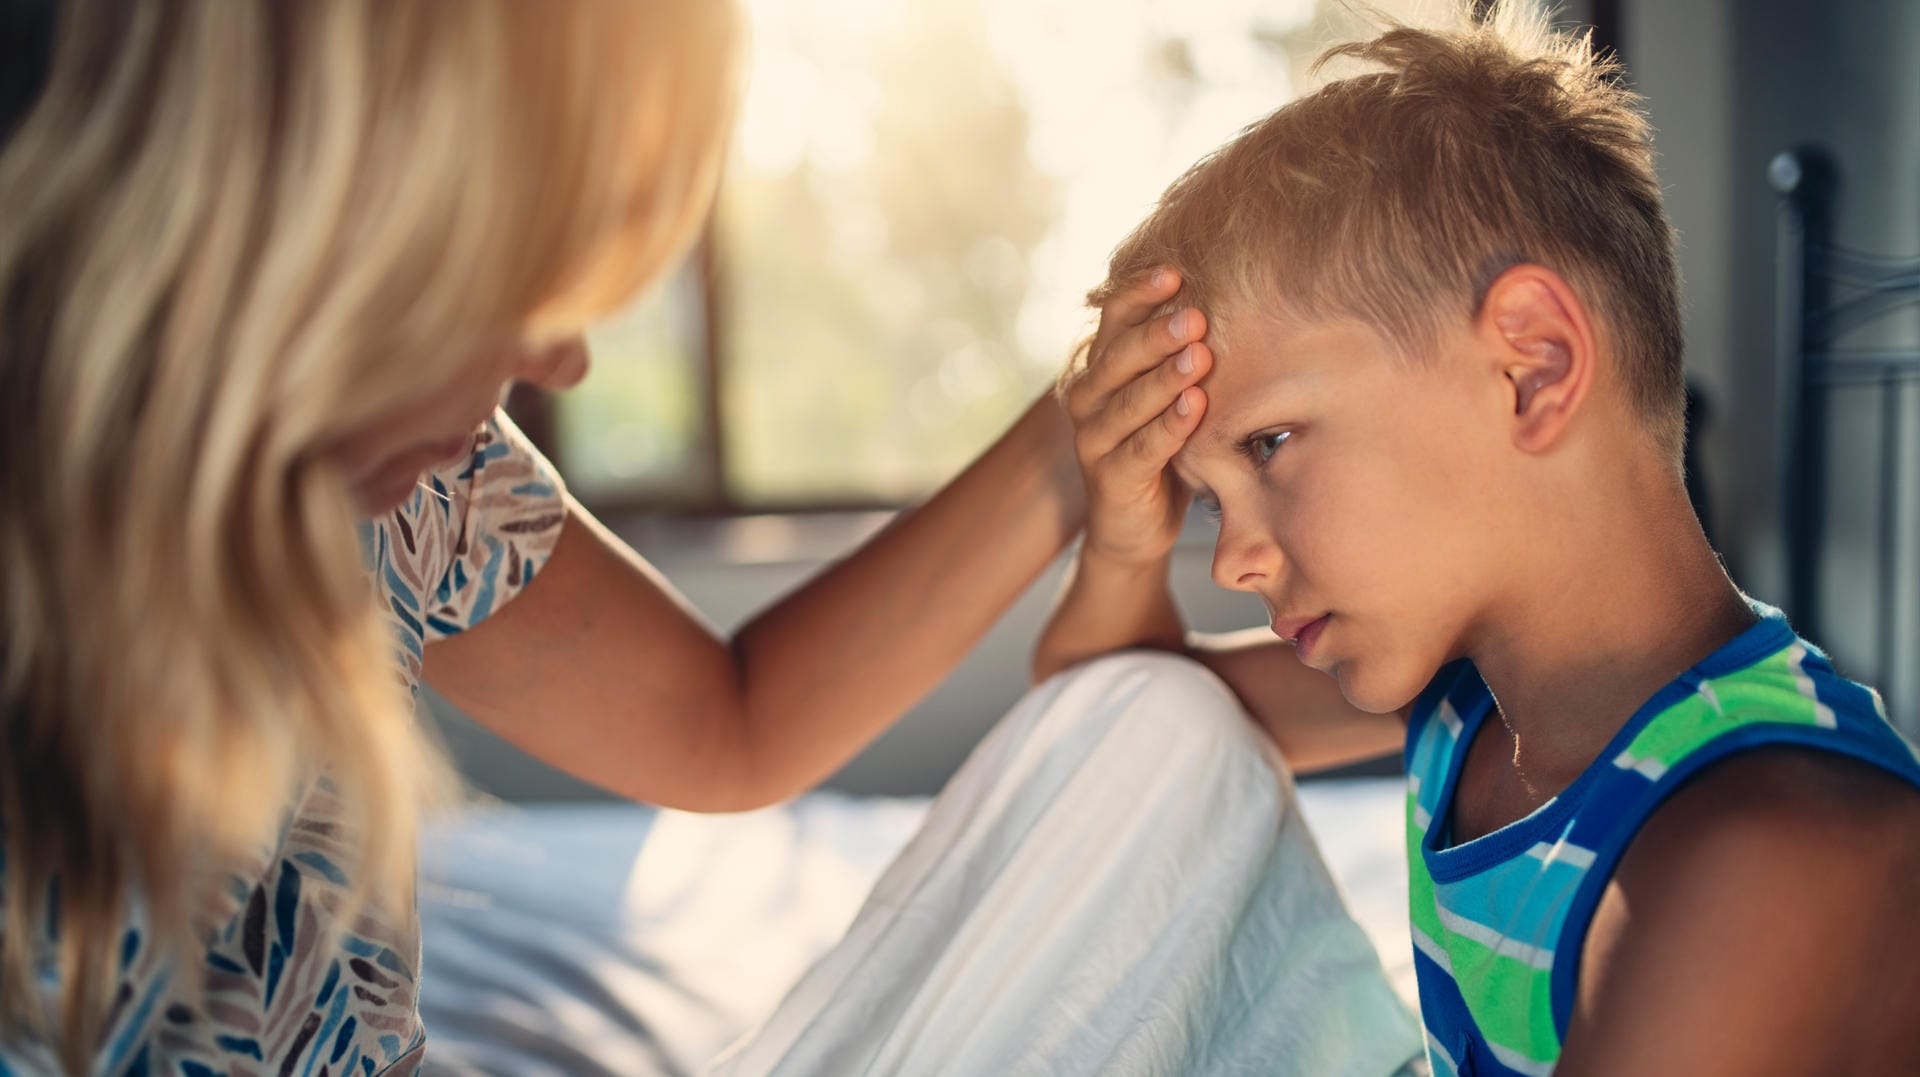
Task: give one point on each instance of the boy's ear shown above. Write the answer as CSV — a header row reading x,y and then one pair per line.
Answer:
x,y
1542,344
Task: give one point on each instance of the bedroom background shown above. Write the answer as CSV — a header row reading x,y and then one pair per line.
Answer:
x,y
921,192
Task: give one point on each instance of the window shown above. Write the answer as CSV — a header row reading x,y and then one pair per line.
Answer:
x,y
635,427
919,195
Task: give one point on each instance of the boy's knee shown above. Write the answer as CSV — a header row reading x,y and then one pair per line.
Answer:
x,y
1165,702
1138,661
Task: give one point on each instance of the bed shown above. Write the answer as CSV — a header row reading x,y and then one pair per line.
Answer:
x,y
600,939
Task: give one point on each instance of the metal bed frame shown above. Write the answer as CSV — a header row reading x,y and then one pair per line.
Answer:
x,y
1825,293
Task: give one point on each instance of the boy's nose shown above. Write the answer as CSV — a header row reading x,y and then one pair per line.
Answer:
x,y
1244,562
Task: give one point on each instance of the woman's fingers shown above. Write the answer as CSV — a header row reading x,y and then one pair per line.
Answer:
x,y
1131,306
1137,467
1133,353
1151,447
1133,406
1140,401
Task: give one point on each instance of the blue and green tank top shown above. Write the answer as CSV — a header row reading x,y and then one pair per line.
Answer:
x,y
1499,922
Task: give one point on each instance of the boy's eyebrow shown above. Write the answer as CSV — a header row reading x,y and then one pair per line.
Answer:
x,y
1216,437
1198,489
1193,486
1280,397
1204,442
1212,442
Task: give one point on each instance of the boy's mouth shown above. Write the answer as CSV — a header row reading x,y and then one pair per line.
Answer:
x,y
1302,632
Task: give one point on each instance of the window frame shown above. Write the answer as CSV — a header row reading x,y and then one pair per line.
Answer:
x,y
710,496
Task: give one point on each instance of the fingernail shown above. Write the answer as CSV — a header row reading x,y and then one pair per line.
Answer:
x,y
1158,280
1180,404
1184,364
1178,326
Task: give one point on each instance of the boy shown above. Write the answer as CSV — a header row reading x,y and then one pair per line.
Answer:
x,y
1435,401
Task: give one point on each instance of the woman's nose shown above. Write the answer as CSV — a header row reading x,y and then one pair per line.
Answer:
x,y
558,366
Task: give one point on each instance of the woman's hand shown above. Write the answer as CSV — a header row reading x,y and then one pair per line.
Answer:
x,y
1133,406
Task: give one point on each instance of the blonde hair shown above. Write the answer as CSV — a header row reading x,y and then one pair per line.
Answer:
x,y
1396,196
235,232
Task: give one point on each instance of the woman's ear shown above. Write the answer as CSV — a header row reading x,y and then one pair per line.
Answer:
x,y
1542,345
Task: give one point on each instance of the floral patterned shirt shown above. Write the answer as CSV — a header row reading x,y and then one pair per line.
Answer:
x,y
281,997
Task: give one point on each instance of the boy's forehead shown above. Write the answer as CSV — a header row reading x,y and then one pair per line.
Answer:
x,y
1283,347
1267,373
1254,366
1254,358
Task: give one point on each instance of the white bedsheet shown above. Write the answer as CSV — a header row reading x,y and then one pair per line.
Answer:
x,y
614,939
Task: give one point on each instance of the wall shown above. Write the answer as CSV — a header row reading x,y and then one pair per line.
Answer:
x,y
1729,85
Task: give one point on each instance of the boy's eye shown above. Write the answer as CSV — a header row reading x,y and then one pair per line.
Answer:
x,y
1261,447
1210,507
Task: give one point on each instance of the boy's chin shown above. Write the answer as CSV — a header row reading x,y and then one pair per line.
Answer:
x,y
1374,690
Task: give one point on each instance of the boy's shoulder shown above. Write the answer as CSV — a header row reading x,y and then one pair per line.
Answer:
x,y
1777,800
1778,885
1767,687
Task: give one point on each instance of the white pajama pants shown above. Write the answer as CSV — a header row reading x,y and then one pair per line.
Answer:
x,y
1118,881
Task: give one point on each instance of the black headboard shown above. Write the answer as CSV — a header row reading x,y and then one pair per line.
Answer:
x,y
1826,294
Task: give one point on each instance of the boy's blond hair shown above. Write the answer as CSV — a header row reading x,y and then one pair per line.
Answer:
x,y
1397,196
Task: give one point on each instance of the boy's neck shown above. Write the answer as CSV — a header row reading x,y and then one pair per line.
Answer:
x,y
1628,601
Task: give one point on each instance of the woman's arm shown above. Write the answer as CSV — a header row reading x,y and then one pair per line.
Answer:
x,y
600,668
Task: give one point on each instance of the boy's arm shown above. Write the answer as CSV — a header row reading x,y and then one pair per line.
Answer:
x,y
1762,922
1132,410
1110,606
1302,709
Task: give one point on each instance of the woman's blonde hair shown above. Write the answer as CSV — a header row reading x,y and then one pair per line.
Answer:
x,y
235,231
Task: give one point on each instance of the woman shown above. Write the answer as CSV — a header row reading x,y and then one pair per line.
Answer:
x,y
265,274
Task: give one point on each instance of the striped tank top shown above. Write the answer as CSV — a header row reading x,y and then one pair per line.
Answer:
x,y
1499,922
